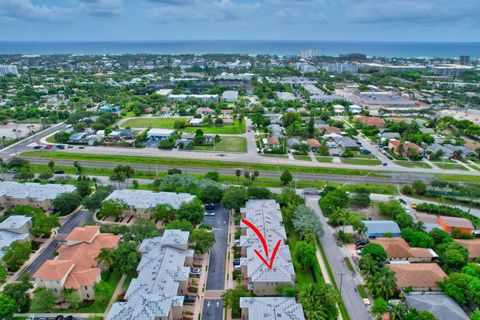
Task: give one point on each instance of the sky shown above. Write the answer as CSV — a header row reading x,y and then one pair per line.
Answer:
x,y
351,20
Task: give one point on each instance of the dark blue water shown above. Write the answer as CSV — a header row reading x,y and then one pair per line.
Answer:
x,y
387,49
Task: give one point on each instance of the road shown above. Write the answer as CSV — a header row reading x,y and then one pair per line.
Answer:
x,y
218,253
212,310
23,145
78,219
406,178
343,277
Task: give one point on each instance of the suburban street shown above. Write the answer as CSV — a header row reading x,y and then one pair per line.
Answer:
x,y
212,310
218,253
343,277
77,219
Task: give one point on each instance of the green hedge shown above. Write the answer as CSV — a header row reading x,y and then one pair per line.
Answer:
x,y
447,211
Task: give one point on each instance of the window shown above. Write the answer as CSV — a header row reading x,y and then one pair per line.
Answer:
x,y
88,296
86,288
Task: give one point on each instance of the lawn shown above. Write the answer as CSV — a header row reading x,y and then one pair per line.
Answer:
x,y
302,157
372,188
177,162
361,162
227,144
413,164
51,139
168,123
96,306
450,166
324,159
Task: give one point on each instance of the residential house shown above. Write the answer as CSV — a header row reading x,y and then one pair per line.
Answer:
x,y
165,110
31,194
355,109
430,221
76,266
286,96
205,111
346,143
313,144
273,142
141,202
463,151
398,249
405,149
472,245
417,276
380,228
438,304
450,223
158,134
338,109
330,130
157,293
319,124
230,96
372,121
271,308
267,217
292,142
78,137
195,122
436,147
14,228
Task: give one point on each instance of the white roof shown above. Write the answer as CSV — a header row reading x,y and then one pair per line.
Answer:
x,y
36,191
274,308
285,96
161,270
15,222
230,94
144,199
267,217
160,132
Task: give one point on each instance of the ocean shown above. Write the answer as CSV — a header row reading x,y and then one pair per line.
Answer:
x,y
253,47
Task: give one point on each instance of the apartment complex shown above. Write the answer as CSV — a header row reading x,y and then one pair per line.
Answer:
x,y
158,291
267,217
76,266
31,194
8,69
14,228
271,308
141,202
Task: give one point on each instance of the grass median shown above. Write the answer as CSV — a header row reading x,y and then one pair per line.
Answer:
x,y
179,162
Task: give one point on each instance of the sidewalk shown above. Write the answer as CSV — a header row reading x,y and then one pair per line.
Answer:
x,y
115,294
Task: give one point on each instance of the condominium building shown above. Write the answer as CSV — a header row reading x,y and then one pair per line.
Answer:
x,y
141,202
14,228
76,266
267,217
230,96
8,69
271,308
31,194
158,291
182,97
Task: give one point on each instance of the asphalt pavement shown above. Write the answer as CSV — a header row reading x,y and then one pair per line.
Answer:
x,y
212,310
78,219
344,279
218,253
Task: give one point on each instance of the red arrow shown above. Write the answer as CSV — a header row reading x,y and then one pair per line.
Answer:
x,y
260,236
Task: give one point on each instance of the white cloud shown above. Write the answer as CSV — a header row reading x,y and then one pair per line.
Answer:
x,y
11,10
426,12
216,11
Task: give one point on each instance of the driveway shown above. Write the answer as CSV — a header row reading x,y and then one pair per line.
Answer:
x,y
212,310
78,219
218,253
343,277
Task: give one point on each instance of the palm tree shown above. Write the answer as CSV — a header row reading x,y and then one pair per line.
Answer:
x,y
106,257
382,284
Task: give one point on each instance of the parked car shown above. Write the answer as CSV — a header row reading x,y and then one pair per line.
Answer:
x,y
69,147
195,272
236,242
384,164
48,146
210,209
189,299
60,146
361,241
37,147
413,205
81,147
236,262
59,172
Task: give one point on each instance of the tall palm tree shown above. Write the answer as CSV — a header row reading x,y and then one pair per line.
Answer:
x,y
106,257
382,283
